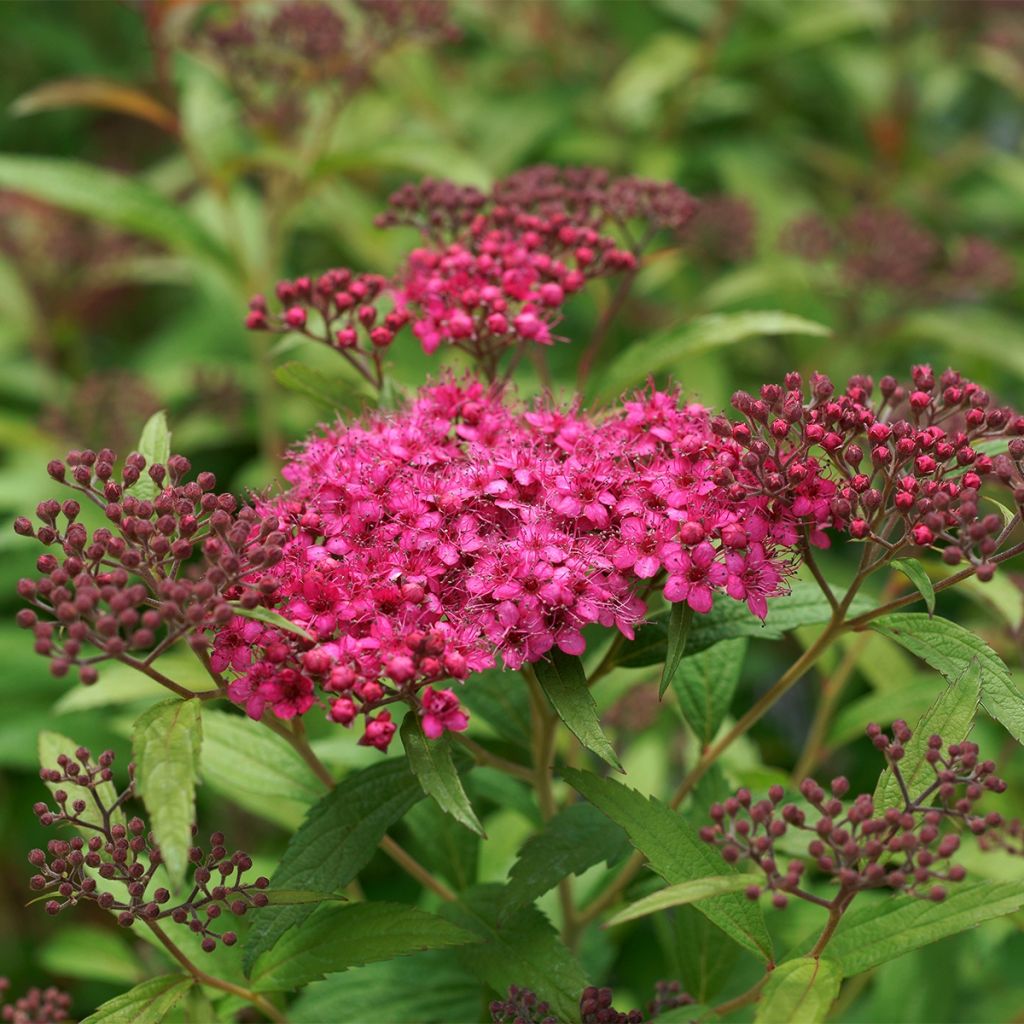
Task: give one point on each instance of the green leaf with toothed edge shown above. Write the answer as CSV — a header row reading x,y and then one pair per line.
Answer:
x,y
950,649
684,893
431,762
679,619
147,1003
705,684
915,572
799,991
562,678
166,745
51,746
155,448
951,717
677,853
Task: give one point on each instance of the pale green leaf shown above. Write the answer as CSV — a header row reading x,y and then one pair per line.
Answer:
x,y
431,762
333,390
799,991
51,745
92,953
155,448
562,678
166,744
684,893
336,938
147,1003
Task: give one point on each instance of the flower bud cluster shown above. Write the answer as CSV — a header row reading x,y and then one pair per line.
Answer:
x,y
859,845
114,866
883,248
37,1006
166,568
340,309
426,540
522,1006
899,465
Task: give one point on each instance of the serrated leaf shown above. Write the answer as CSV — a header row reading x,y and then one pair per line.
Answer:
x,y
505,708
112,198
562,678
915,572
166,744
878,933
950,649
430,988
271,618
729,619
706,955
431,763
705,684
154,447
951,717
668,349
337,839
336,938
679,619
256,769
683,894
799,991
51,745
575,839
677,853
334,390
147,1003
520,949
293,897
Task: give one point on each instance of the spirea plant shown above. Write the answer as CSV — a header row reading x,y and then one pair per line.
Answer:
x,y
451,578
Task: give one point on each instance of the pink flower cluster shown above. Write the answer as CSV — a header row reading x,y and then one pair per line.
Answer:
x,y
424,542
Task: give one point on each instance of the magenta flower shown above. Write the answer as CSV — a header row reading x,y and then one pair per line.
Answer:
x,y
693,576
441,712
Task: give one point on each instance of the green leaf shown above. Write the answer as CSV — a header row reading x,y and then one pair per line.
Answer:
x,y
909,702
166,744
334,390
505,708
293,897
950,649
679,620
520,949
669,349
336,938
951,717
112,198
51,745
706,955
576,838
884,930
155,447
682,894
271,618
256,769
92,953
799,991
337,839
705,684
915,572
562,678
677,853
729,619
431,763
430,989
147,1003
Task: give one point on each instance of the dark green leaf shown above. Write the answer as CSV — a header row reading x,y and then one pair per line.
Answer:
x,y
915,572
675,852
336,938
111,198
799,991
705,953
562,678
293,897
155,447
882,931
705,684
339,836
950,649
147,1003
441,844
679,619
951,717
271,618
431,763
430,989
909,701
503,702
334,390
576,838
166,744
520,949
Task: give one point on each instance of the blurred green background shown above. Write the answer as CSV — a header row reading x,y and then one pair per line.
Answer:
x,y
159,163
